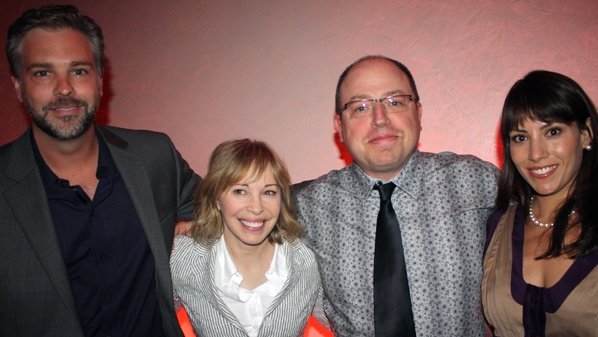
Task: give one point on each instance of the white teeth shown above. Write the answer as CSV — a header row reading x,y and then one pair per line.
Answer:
x,y
543,170
252,224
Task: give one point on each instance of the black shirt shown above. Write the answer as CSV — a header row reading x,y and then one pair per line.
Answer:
x,y
105,251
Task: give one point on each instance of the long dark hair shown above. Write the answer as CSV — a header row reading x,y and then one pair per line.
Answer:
x,y
552,97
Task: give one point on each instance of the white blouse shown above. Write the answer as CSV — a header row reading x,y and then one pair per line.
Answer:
x,y
249,306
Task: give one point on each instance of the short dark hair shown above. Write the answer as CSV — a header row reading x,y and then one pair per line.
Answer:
x,y
338,105
552,97
53,17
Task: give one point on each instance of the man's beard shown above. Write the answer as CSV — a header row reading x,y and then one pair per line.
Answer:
x,y
56,131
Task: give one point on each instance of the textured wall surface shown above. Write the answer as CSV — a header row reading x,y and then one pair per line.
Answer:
x,y
207,71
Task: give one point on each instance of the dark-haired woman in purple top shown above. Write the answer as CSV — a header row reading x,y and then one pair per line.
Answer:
x,y
540,265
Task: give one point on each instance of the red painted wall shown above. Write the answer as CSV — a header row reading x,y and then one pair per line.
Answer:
x,y
207,71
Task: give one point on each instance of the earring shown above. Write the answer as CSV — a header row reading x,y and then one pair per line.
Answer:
x,y
588,147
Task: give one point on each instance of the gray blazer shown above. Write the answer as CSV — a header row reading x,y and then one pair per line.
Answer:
x,y
192,274
35,294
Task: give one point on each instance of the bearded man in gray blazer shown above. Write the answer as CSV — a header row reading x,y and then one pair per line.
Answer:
x,y
87,213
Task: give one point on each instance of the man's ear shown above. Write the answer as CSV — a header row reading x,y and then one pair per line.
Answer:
x,y
338,126
420,110
101,85
17,86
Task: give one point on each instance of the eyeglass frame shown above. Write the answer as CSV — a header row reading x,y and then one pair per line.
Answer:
x,y
411,98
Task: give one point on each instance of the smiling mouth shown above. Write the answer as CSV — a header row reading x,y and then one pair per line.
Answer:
x,y
382,139
66,107
252,224
66,104
543,171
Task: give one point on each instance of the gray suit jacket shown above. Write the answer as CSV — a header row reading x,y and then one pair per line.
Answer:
x,y
35,294
193,277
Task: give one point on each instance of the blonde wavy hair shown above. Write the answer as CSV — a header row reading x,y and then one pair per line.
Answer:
x,y
230,163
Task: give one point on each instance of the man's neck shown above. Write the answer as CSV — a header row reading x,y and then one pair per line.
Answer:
x,y
66,152
74,160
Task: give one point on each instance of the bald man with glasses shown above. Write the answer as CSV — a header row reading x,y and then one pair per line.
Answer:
x,y
399,233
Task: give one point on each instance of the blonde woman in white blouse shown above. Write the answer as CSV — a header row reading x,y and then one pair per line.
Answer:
x,y
244,272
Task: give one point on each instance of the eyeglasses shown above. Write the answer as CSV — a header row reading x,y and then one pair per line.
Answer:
x,y
365,107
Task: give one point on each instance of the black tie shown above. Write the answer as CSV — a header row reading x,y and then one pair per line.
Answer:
x,y
392,302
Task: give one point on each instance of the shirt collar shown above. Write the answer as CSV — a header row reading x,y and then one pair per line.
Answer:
x,y
362,184
106,165
228,279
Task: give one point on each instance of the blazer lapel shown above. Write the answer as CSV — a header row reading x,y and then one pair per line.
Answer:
x,y
209,290
28,201
293,263
136,179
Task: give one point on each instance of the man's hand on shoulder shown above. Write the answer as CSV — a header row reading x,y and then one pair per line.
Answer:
x,y
183,228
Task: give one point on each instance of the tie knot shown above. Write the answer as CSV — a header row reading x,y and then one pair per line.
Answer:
x,y
385,190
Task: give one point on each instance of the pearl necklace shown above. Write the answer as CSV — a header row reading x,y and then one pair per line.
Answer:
x,y
533,218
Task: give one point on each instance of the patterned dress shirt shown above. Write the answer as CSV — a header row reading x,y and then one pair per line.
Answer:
x,y
442,203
